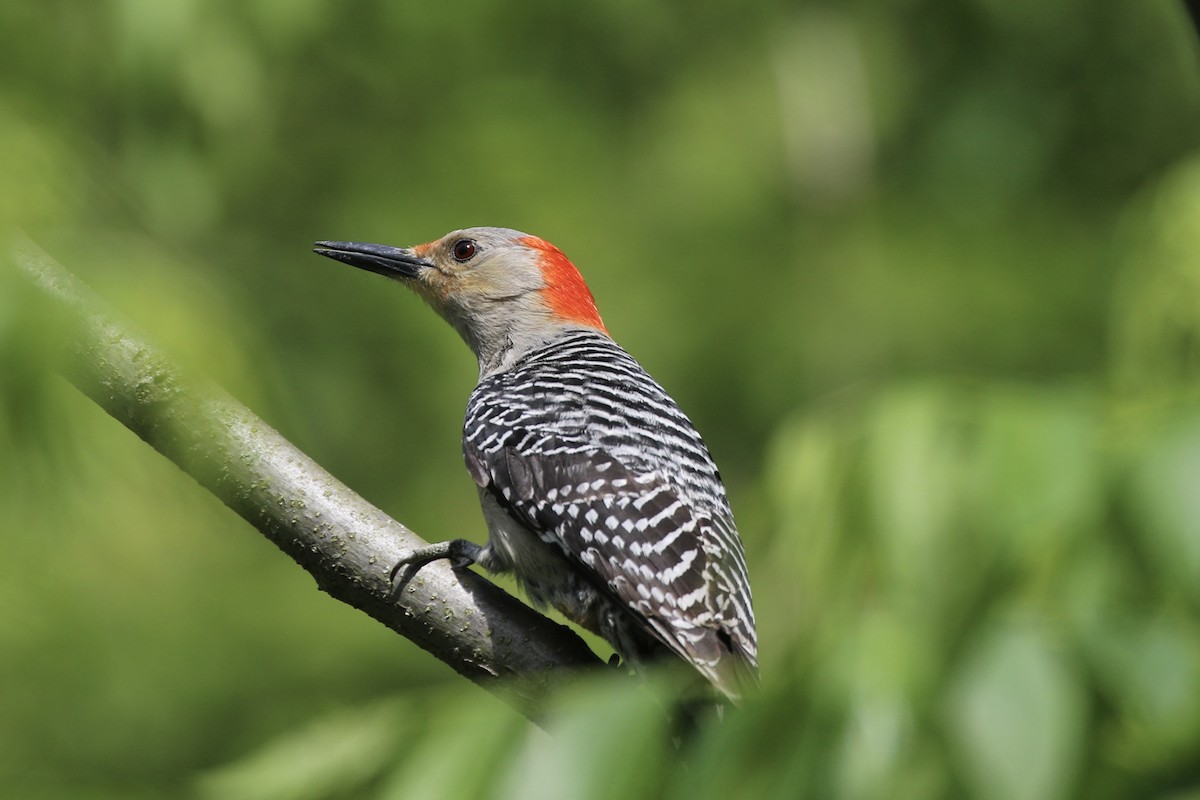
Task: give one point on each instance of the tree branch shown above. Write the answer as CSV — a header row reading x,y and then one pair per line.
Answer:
x,y
347,544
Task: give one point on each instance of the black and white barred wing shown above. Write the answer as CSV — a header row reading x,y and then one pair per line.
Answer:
x,y
646,547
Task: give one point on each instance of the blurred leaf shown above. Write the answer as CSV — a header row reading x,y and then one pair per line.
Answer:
x,y
780,745
465,741
879,674
929,556
913,471
1151,668
1165,495
603,739
1017,716
329,757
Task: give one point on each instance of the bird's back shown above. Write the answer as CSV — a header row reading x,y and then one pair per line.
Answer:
x,y
580,445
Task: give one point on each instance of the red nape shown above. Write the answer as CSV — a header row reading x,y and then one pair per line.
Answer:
x,y
565,292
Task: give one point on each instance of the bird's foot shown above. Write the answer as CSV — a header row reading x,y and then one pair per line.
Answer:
x,y
461,552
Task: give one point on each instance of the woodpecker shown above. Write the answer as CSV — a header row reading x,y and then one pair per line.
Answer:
x,y
598,493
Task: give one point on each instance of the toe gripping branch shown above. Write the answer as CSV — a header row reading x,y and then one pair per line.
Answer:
x,y
462,553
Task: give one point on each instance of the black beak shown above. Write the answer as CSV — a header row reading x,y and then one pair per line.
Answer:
x,y
394,262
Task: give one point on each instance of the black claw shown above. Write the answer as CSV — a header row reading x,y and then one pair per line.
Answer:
x,y
460,552
396,570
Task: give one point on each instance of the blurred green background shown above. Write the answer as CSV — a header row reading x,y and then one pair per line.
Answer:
x,y
925,273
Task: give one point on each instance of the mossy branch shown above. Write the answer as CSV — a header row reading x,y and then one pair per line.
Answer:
x,y
347,544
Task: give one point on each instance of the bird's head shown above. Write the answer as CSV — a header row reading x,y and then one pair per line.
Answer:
x,y
504,291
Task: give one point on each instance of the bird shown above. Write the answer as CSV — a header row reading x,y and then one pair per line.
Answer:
x,y
599,495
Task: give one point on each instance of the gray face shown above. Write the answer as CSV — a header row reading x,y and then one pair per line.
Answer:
x,y
496,286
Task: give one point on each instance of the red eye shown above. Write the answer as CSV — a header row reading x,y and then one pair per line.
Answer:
x,y
464,249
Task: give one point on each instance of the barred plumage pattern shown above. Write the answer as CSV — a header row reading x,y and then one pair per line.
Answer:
x,y
578,445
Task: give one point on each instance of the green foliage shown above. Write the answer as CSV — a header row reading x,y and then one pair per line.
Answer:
x,y
925,274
